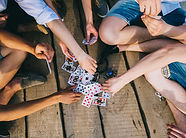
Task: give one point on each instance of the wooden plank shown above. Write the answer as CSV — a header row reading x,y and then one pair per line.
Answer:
x,y
45,123
17,129
157,113
121,116
80,122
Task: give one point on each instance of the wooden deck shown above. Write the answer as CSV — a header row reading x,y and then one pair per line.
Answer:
x,y
133,112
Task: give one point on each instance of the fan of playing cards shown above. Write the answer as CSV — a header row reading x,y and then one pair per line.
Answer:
x,y
85,85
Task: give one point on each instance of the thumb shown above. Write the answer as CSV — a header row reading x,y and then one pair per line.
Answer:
x,y
41,56
88,36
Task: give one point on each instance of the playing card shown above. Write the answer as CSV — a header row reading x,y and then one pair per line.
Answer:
x,y
86,77
68,61
68,68
99,101
74,79
80,88
106,95
87,100
92,40
93,88
79,70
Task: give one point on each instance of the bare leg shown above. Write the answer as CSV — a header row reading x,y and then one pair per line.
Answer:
x,y
9,65
148,46
179,117
114,31
169,89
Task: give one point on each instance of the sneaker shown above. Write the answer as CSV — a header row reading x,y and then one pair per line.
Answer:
x,y
4,134
31,79
101,8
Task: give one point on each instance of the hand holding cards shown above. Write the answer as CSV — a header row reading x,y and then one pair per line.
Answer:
x,y
92,41
85,84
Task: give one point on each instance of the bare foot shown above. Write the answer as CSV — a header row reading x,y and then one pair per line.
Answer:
x,y
3,19
175,132
10,89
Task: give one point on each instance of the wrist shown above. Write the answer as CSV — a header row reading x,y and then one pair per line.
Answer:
x,y
56,97
80,55
89,20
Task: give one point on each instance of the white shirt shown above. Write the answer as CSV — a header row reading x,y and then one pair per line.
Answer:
x,y
35,8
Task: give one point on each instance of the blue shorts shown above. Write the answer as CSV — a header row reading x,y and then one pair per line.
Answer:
x,y
176,71
1,57
129,11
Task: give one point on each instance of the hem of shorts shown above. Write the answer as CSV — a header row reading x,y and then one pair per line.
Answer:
x,y
45,24
119,16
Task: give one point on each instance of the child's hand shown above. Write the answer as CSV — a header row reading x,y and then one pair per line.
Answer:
x,y
65,50
87,63
67,96
43,51
112,85
90,29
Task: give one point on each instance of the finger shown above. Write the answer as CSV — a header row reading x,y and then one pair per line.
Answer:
x,y
88,36
78,94
77,98
90,71
68,55
147,9
41,56
105,88
93,71
158,7
142,7
174,128
94,64
171,136
175,133
71,87
153,9
106,85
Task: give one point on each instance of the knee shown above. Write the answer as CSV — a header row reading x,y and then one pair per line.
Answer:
x,y
21,55
107,34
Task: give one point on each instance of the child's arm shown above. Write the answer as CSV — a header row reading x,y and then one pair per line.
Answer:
x,y
90,29
12,112
15,42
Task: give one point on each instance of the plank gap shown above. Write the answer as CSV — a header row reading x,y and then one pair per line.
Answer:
x,y
58,86
86,46
102,124
137,98
26,118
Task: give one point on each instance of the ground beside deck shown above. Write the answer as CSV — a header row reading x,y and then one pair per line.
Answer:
x,y
133,112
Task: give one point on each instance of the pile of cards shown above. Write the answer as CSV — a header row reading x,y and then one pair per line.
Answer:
x,y
85,85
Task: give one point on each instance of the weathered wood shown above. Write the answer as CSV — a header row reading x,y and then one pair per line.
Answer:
x,y
121,116
45,123
80,122
17,129
157,113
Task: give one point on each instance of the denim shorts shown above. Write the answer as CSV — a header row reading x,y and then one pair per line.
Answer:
x,y
176,71
129,11
1,57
